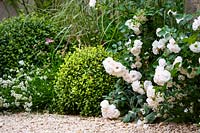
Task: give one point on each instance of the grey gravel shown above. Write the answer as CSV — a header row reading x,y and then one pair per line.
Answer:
x,y
53,123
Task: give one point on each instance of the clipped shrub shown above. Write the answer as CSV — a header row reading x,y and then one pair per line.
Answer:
x,y
81,82
30,39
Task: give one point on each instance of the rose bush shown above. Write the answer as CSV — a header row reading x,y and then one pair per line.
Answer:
x,y
159,78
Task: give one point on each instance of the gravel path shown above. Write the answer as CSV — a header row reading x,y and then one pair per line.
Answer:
x,y
48,123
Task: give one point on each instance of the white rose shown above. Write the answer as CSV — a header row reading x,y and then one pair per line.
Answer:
x,y
158,45
152,103
157,31
138,43
110,112
138,64
136,29
114,68
196,24
178,59
118,69
155,48
136,87
195,47
135,75
92,3
159,98
155,51
130,24
151,92
162,62
104,104
147,84
135,51
161,76
161,43
173,47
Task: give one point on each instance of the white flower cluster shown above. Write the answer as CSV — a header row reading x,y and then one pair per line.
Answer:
x,y
173,47
153,99
117,69
196,24
7,83
158,45
161,76
195,47
109,111
92,3
27,106
19,83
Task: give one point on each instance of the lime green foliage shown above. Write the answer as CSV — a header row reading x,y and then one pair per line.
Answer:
x,y
23,39
82,81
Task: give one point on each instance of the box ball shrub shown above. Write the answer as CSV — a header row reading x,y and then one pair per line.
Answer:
x,y
82,81
23,38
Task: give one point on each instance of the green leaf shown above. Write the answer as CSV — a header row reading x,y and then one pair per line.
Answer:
x,y
150,117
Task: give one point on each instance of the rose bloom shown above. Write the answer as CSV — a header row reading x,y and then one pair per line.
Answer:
x,y
157,31
158,45
104,104
161,76
147,84
136,87
152,103
130,24
138,43
178,59
110,112
151,92
132,76
195,47
135,51
196,24
162,62
173,47
114,68
92,3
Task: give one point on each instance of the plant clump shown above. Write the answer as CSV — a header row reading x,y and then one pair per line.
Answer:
x,y
82,81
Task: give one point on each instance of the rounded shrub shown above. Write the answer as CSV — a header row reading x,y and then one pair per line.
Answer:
x,y
30,39
82,81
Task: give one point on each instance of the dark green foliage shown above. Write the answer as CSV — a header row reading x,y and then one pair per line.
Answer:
x,y
82,81
23,38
